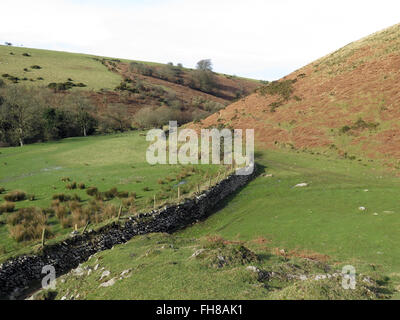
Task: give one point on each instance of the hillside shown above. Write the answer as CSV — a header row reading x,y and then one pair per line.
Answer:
x,y
346,103
111,81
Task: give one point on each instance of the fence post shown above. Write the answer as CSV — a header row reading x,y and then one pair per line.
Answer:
x,y
179,193
43,236
154,202
119,212
84,229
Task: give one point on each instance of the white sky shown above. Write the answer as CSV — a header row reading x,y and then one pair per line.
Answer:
x,y
259,39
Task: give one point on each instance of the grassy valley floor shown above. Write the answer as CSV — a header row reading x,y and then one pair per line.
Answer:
x,y
297,230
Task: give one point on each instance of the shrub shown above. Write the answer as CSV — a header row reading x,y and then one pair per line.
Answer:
x,y
15,196
71,186
344,129
123,194
7,207
109,211
128,202
61,211
27,224
36,67
282,88
275,105
62,197
110,194
92,191
99,196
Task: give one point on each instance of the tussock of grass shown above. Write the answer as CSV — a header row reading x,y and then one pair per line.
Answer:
x,y
28,224
7,207
15,196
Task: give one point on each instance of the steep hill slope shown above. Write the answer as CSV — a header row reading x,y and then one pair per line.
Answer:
x,y
114,81
347,103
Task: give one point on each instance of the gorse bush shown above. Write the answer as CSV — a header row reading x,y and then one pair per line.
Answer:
x,y
28,224
15,196
283,88
360,124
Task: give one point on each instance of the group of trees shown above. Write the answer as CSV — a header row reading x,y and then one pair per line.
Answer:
x,y
202,78
167,72
30,115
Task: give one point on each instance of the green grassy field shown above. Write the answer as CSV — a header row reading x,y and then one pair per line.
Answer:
x,y
322,221
160,266
56,66
323,217
99,161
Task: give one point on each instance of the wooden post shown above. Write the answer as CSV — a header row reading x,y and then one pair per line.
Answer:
x,y
119,212
84,229
209,183
76,227
43,236
179,193
154,202
198,188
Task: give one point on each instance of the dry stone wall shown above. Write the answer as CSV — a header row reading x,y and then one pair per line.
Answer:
x,y
19,274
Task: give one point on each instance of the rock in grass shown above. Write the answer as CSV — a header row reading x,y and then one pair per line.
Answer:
x,y
105,274
362,208
108,283
253,269
125,273
301,185
198,252
78,271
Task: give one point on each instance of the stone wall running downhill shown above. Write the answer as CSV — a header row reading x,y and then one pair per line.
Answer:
x,y
18,274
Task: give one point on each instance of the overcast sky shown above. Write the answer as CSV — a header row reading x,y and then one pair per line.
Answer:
x,y
259,39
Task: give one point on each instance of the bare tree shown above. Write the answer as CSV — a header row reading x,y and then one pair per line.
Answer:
x,y
204,65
